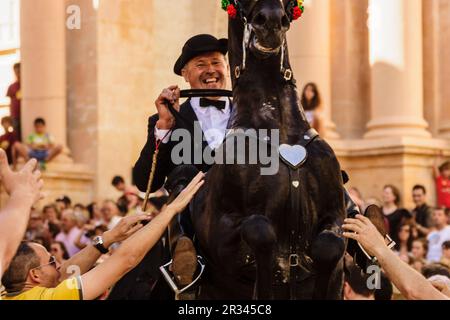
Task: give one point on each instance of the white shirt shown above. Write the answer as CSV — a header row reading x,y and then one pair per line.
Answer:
x,y
310,117
114,221
435,241
69,240
212,121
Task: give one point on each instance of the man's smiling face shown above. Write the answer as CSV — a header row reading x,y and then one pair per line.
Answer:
x,y
206,71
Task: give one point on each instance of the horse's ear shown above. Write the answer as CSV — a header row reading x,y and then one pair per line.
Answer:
x,y
345,177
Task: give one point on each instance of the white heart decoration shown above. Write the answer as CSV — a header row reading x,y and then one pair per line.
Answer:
x,y
292,155
296,183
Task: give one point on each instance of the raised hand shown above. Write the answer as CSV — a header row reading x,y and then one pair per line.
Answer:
x,y
126,227
364,231
26,183
187,194
171,95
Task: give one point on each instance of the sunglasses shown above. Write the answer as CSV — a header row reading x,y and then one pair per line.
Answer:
x,y
51,262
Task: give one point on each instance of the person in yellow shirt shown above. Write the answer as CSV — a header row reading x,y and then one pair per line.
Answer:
x,y
42,278
35,275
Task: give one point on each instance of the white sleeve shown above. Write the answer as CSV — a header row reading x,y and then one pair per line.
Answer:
x,y
162,134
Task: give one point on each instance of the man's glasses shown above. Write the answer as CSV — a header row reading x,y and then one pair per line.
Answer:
x,y
52,262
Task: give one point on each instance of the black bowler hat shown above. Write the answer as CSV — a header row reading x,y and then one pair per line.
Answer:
x,y
197,45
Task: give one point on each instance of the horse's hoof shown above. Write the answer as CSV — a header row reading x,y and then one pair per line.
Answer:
x,y
184,261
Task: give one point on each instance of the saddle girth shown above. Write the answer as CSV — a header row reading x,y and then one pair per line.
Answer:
x,y
297,239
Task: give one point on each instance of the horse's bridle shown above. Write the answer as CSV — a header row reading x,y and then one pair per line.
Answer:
x,y
244,14
248,29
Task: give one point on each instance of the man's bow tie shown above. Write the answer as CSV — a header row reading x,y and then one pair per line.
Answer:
x,y
219,104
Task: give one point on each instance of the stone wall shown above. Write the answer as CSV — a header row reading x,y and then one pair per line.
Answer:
x,y
123,56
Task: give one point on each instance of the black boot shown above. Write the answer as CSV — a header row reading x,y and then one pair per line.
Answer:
x,y
181,231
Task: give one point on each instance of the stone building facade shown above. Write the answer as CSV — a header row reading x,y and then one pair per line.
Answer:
x,y
381,65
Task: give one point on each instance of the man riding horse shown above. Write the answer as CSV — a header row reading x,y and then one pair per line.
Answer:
x,y
203,65
262,236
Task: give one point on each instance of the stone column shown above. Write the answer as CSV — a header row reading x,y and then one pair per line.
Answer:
x,y
350,69
444,67
43,55
431,84
309,45
395,29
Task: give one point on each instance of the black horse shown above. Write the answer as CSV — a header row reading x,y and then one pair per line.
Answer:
x,y
270,236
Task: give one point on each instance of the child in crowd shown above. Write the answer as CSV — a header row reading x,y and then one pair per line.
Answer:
x,y
40,145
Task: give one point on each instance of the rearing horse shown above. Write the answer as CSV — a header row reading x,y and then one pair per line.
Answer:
x,y
270,236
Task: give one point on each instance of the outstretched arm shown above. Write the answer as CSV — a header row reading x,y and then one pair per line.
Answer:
x,y
83,261
133,250
410,282
24,188
437,160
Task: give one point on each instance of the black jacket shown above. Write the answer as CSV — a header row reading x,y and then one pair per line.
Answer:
x,y
141,170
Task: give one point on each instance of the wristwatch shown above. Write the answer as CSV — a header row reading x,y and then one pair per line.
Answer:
x,y
98,243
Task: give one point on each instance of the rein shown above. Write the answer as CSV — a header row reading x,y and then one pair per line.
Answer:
x,y
180,119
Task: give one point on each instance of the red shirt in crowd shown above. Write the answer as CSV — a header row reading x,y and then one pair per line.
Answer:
x,y
15,96
443,191
6,142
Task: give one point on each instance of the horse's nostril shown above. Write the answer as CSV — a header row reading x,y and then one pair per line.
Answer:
x,y
260,19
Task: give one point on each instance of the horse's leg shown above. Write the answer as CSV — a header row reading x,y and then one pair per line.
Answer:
x,y
260,236
327,251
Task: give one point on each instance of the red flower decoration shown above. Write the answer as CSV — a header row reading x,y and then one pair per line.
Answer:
x,y
297,13
232,12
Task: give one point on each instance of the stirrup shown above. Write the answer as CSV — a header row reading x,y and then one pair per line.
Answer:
x,y
170,280
390,245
